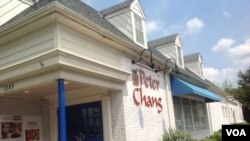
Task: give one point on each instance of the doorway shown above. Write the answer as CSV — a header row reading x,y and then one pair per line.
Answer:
x,y
84,122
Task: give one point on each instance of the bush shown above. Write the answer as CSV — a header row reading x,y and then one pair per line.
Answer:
x,y
175,135
241,123
208,139
216,136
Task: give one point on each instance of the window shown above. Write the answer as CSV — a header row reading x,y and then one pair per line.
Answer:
x,y
179,53
196,116
84,121
203,115
139,30
178,114
187,114
190,115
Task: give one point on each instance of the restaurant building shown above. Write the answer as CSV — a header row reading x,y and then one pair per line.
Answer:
x,y
71,73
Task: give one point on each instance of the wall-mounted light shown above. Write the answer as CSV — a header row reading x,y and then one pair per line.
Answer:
x,y
26,91
150,64
166,66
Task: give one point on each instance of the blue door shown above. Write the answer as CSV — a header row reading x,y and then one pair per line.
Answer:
x,y
84,122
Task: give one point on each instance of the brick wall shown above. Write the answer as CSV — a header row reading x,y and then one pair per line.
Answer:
x,y
145,123
117,115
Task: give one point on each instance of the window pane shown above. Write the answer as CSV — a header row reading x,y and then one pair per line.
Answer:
x,y
139,30
90,112
187,115
197,124
139,36
179,56
178,113
203,115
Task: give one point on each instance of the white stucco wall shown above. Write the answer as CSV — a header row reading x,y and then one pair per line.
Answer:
x,y
223,113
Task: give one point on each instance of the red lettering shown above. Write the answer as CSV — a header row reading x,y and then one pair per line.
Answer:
x,y
157,84
153,84
136,91
150,80
146,82
149,103
142,99
159,105
142,76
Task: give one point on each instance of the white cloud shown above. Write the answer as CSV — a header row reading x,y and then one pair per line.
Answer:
x,y
218,76
153,26
223,44
241,50
194,25
226,14
239,55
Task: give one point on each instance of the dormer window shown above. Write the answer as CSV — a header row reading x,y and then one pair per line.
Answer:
x,y
139,30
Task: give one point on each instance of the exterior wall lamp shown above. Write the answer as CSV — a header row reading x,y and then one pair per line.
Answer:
x,y
150,64
166,66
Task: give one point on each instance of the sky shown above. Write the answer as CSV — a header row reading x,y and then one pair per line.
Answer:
x,y
218,29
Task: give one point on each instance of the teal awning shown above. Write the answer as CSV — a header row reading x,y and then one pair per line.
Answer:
x,y
180,87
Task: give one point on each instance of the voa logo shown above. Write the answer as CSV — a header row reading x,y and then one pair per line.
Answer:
x,y
236,132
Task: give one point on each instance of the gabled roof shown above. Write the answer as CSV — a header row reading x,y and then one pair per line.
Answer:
x,y
78,7
191,57
162,41
116,7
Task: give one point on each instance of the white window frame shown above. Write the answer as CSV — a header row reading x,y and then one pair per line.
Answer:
x,y
139,27
179,56
201,123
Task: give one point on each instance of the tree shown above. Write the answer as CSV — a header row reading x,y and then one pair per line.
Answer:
x,y
244,86
244,92
228,87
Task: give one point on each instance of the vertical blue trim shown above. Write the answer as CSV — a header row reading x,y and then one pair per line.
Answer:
x,y
61,111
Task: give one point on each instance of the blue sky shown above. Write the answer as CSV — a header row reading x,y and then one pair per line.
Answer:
x,y
218,29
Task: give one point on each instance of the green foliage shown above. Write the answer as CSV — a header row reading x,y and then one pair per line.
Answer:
x,y
241,123
175,135
244,88
227,86
208,139
216,136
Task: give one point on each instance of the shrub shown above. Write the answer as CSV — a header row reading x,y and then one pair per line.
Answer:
x,y
241,123
175,135
208,139
216,136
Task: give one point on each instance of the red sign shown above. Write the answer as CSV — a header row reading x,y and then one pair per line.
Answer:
x,y
141,80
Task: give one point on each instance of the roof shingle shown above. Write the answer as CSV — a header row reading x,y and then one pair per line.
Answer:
x,y
164,40
191,57
80,8
116,7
